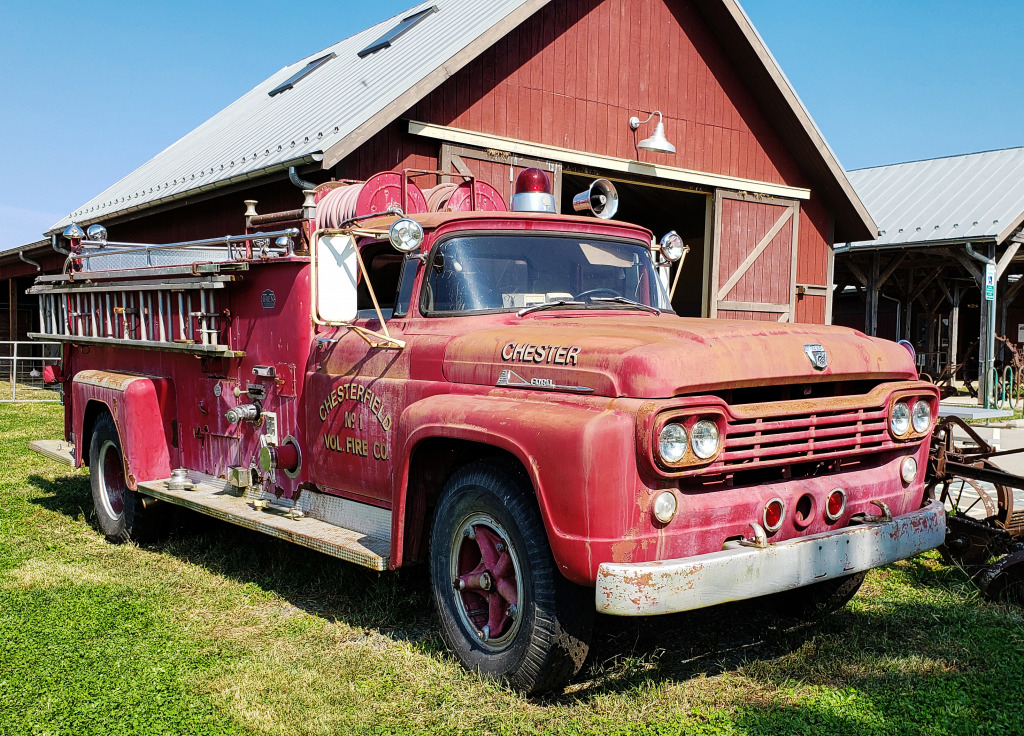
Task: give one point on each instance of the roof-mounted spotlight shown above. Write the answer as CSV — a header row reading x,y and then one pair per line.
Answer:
x,y
97,233
657,142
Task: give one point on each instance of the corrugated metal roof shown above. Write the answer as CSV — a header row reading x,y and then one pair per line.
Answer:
x,y
328,114
258,134
973,197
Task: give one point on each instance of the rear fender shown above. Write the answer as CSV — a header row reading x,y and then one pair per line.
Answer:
x,y
143,409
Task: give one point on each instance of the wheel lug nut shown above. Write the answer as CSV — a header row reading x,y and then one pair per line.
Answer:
x,y
485,634
460,584
499,548
512,611
469,533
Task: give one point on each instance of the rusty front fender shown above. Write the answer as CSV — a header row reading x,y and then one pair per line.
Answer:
x,y
580,455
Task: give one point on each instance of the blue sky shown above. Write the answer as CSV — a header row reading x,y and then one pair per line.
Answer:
x,y
92,90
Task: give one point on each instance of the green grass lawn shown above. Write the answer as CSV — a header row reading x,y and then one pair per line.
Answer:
x,y
221,631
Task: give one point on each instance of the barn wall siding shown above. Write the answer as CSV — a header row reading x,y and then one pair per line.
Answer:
x,y
571,77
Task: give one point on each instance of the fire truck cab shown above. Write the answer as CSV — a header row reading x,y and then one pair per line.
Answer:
x,y
392,377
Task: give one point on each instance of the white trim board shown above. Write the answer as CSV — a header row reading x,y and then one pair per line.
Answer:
x,y
611,163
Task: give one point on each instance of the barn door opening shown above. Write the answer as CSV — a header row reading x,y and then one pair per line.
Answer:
x,y
753,271
660,208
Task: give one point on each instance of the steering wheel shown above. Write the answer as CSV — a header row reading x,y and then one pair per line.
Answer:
x,y
595,292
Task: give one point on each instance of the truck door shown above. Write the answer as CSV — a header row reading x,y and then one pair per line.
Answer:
x,y
356,391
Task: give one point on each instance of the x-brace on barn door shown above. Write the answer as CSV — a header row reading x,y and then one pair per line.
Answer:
x,y
753,270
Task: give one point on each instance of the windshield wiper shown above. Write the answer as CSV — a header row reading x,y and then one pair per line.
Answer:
x,y
549,305
626,301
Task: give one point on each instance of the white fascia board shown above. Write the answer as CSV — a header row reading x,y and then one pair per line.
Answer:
x,y
610,163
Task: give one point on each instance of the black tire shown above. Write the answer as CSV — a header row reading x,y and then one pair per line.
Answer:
x,y
121,513
541,637
815,601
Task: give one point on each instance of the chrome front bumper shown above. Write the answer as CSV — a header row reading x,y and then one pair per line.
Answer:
x,y
739,573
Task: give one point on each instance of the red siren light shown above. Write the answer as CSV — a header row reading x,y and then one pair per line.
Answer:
x,y
532,180
533,192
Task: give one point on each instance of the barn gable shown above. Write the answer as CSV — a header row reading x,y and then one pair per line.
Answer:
x,y
490,88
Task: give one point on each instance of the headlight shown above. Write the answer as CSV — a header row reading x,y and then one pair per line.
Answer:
x,y
922,416
672,443
704,439
899,420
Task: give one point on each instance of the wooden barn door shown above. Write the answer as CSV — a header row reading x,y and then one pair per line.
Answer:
x,y
753,270
498,168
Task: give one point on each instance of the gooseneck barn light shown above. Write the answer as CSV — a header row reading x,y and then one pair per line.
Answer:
x,y
657,142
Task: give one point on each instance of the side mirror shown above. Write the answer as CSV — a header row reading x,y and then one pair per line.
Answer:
x,y
336,279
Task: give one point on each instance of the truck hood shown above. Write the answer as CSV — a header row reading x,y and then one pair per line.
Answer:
x,y
640,356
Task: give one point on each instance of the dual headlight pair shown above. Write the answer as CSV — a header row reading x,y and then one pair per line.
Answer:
x,y
903,418
679,445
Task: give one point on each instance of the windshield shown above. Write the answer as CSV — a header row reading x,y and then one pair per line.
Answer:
x,y
511,272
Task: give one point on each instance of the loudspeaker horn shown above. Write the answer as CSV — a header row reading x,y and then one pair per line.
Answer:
x,y
601,199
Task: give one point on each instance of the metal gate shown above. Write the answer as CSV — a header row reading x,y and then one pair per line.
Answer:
x,y
21,370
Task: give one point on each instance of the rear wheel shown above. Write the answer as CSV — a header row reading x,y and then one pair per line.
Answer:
x,y
505,610
120,512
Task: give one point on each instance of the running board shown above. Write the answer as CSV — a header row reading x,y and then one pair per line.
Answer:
x,y
59,450
215,497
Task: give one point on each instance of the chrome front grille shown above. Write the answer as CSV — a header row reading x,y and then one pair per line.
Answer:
x,y
765,442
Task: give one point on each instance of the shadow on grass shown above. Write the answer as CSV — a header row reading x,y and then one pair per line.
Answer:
x,y
396,604
626,654
69,495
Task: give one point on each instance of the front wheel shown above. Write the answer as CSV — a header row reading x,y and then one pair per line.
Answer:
x,y
505,610
121,512
816,600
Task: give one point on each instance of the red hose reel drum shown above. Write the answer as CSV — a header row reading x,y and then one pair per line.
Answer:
x,y
458,198
377,194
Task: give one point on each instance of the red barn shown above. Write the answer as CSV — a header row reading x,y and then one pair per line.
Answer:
x,y
490,88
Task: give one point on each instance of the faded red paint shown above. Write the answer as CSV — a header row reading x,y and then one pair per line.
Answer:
x,y
142,407
358,414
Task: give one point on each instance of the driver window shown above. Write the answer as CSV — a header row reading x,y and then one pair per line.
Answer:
x,y
385,268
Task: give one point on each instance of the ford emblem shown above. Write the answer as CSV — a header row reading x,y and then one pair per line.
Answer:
x,y
817,355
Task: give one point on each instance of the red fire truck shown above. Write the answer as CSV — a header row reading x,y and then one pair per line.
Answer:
x,y
392,376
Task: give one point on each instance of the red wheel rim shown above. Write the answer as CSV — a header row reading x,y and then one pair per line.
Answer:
x,y
111,479
486,580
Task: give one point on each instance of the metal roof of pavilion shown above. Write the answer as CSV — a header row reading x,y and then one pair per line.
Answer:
x,y
976,197
348,99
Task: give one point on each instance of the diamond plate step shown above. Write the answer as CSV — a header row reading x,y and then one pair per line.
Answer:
x,y
216,498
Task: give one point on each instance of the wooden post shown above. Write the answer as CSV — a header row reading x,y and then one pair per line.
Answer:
x,y
871,305
954,329
12,305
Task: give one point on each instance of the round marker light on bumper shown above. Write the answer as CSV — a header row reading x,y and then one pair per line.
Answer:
x,y
774,513
672,443
665,506
704,439
921,416
835,504
899,420
908,470
405,235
